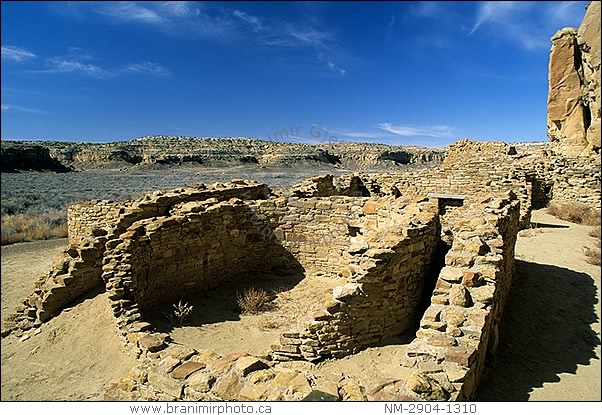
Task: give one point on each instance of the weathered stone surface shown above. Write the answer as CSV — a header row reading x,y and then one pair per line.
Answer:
x,y
200,381
260,376
299,384
574,87
165,384
228,387
460,355
248,364
459,296
472,278
186,369
255,392
347,291
353,392
152,342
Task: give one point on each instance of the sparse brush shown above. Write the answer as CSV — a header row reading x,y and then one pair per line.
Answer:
x,y
24,227
592,256
254,301
575,212
180,313
595,232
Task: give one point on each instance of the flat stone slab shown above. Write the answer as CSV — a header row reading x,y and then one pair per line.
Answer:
x,y
186,369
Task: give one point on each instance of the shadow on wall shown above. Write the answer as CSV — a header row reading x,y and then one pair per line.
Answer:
x,y
545,331
219,269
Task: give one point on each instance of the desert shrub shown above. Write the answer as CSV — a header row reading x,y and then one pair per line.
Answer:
x,y
595,232
592,255
575,212
254,301
26,227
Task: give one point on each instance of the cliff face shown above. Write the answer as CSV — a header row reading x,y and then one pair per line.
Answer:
x,y
29,157
574,87
162,150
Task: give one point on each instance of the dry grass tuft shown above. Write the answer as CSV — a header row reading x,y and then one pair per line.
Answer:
x,y
595,232
255,301
575,212
592,256
24,227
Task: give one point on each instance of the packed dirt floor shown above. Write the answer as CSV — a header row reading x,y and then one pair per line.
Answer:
x,y
549,347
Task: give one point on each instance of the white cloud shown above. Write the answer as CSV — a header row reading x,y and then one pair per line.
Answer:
x,y
148,68
16,54
529,24
18,108
129,11
65,65
254,22
437,131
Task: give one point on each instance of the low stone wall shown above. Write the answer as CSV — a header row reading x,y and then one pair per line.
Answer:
x,y
200,246
459,330
77,270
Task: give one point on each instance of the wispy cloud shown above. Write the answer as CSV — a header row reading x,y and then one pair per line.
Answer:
x,y
219,24
254,22
19,108
66,65
148,68
16,54
129,11
331,65
436,131
529,24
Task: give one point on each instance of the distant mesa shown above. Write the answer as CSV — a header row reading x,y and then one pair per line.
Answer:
x,y
16,157
169,151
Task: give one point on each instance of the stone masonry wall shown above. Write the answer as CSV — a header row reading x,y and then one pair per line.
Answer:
x,y
317,231
385,269
445,362
77,270
459,330
199,246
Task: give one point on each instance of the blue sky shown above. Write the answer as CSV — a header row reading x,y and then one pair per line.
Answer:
x,y
408,73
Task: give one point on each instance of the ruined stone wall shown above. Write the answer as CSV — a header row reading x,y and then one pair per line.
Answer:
x,y
385,271
317,231
103,217
95,218
459,330
198,247
78,269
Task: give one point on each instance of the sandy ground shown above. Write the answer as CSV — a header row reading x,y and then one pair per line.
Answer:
x,y
549,347
550,340
74,355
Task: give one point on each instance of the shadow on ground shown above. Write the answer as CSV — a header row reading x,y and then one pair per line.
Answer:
x,y
221,304
548,225
545,332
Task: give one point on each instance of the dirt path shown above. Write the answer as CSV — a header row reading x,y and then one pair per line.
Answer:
x,y
550,339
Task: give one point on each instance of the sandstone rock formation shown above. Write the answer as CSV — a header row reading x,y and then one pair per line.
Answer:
x,y
574,87
29,157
